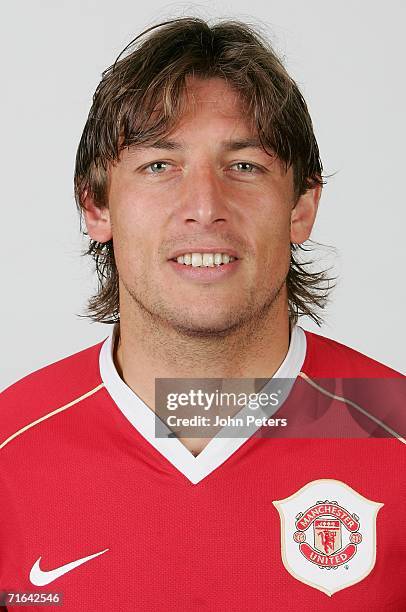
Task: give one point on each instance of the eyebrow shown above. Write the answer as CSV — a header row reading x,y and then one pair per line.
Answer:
x,y
227,145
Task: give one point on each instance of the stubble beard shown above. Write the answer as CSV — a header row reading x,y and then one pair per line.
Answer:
x,y
259,307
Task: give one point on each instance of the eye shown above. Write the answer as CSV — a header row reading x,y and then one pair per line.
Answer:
x,y
246,167
156,167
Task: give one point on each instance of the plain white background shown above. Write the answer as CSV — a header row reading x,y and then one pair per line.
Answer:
x,y
348,59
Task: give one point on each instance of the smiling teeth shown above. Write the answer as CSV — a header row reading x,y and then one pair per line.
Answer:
x,y
205,260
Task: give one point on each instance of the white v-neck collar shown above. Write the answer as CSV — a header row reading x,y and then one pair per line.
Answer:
x,y
220,448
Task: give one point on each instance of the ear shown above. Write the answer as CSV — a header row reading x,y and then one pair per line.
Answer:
x,y
303,215
97,219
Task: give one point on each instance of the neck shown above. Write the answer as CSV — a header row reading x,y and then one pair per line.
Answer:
x,y
147,349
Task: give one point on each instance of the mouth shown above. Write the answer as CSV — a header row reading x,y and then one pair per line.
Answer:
x,y
205,258
204,265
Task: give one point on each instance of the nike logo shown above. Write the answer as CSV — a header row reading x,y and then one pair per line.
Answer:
x,y
40,578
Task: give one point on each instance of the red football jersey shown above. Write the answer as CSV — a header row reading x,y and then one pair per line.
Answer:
x,y
97,513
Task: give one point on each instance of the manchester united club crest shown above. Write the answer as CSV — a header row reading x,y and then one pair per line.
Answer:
x,y
328,535
324,522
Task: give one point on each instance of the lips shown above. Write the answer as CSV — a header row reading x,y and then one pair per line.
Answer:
x,y
204,274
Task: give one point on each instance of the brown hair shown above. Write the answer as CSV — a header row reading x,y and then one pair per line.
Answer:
x,y
140,98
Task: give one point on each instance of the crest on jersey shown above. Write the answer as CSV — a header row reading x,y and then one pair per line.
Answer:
x,y
328,535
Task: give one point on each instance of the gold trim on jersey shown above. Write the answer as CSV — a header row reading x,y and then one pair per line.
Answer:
x,y
46,416
354,405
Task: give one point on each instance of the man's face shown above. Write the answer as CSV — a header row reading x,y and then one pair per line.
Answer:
x,y
206,192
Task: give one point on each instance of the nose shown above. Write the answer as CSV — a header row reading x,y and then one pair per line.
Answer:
x,y
203,197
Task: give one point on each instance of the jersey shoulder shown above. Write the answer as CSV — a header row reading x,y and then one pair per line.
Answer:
x,y
330,359
48,389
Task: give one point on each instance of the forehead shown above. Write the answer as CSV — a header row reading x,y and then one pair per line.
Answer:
x,y
213,115
213,98
207,107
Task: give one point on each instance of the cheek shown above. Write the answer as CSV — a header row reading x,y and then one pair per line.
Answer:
x,y
275,235
130,236
131,213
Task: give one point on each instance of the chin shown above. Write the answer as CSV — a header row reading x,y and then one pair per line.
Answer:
x,y
206,329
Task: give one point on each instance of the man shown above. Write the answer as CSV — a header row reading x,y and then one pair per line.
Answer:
x,y
199,177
